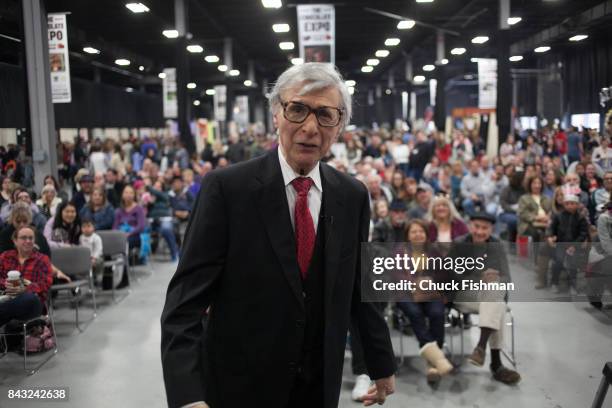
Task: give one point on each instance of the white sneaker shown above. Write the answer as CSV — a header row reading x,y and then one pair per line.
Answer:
x,y
362,384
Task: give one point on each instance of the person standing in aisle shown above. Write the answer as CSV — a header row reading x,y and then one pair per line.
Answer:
x,y
272,253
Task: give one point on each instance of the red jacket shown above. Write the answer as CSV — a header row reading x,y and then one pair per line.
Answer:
x,y
37,269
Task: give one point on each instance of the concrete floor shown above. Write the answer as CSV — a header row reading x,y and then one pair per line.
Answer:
x,y
561,348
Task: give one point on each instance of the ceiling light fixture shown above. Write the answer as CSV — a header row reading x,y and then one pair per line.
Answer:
x,y
428,67
473,59
272,3
210,92
392,42
137,7
234,72
191,85
514,20
195,48
141,68
196,103
280,28
424,1
297,61
122,62
458,51
248,82
516,58
367,68
481,39
211,58
443,61
170,33
405,24
382,53
373,62
542,49
350,82
579,37
161,75
351,90
129,89
418,79
222,67
286,45
91,50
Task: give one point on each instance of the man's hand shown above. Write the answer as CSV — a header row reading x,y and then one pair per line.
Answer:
x,y
379,391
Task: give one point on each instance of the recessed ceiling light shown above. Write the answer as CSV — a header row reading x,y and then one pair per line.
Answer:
x,y
367,68
392,42
350,82
481,39
405,24
579,37
297,61
351,90
128,89
373,61
428,68
222,67
419,79
542,49
91,50
382,53
170,33
210,92
161,75
444,61
458,51
248,82
122,61
514,20
280,28
516,58
195,48
286,45
196,103
191,85
272,3
141,68
473,59
234,72
137,7
388,91
424,1
211,58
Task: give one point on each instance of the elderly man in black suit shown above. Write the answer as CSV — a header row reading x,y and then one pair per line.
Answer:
x,y
272,250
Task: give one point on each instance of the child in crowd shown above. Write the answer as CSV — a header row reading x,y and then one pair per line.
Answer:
x,y
91,240
568,229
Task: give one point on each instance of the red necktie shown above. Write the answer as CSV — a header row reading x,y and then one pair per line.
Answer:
x,y
304,226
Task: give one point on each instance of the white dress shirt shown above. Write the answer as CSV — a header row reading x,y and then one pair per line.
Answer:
x,y
315,194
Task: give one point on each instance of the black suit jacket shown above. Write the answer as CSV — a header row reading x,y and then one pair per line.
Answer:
x,y
240,258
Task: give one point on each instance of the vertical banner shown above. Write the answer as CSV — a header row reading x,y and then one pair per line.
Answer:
x,y
241,111
316,32
487,83
219,101
169,91
58,58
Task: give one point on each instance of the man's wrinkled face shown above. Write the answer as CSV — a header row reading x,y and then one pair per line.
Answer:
x,y
481,230
304,144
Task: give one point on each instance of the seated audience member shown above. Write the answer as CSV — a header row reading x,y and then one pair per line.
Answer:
x,y
181,199
48,201
130,217
602,195
20,194
89,239
508,200
381,211
65,228
425,310
489,305
113,188
161,213
21,216
98,210
5,191
86,182
28,297
391,229
600,257
567,229
422,202
472,189
445,222
49,180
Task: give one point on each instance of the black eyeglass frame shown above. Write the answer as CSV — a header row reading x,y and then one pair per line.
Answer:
x,y
312,110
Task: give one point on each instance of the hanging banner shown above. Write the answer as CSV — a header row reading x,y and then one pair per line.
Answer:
x,y
219,102
487,83
316,32
241,111
169,90
58,58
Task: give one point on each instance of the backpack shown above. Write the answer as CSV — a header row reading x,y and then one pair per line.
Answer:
x,y
39,339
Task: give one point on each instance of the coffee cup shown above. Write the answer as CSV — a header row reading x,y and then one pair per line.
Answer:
x,y
13,278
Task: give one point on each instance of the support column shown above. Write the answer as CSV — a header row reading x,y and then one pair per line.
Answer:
x,y
229,61
504,80
409,73
41,113
440,75
182,75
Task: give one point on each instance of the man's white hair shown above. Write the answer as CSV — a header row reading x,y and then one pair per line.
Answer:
x,y
312,76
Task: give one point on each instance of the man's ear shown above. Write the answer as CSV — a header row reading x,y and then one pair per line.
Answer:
x,y
275,119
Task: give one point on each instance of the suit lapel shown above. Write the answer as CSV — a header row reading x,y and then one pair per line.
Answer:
x,y
274,209
333,199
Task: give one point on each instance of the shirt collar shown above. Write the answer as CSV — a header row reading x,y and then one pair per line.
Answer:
x,y
289,174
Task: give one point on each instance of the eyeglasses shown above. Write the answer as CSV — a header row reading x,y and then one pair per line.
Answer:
x,y
26,238
327,116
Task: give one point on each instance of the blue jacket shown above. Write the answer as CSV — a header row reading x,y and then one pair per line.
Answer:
x,y
103,219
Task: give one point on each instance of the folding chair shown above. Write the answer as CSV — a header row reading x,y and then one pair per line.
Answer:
x,y
115,249
75,261
25,325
